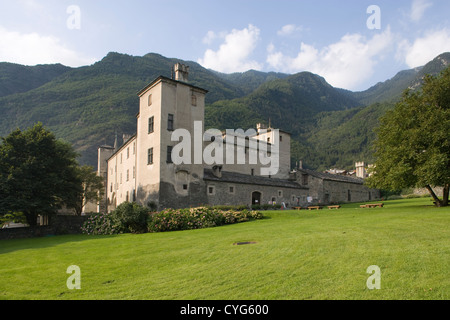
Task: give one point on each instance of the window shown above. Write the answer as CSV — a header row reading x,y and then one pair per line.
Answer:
x,y
253,172
121,156
150,156
128,153
111,190
170,123
151,125
127,197
149,100
281,138
231,190
185,186
169,154
305,179
128,175
134,172
280,193
134,147
211,190
194,100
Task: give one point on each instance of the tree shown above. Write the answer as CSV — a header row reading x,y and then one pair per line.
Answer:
x,y
412,148
38,173
92,189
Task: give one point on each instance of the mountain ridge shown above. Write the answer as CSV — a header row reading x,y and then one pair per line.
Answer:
x,y
86,106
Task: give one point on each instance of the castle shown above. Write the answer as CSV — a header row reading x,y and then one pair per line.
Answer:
x,y
143,169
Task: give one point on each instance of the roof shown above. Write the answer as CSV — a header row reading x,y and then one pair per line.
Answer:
x,y
122,147
162,78
233,177
332,177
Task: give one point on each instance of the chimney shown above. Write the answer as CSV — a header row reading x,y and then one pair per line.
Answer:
x,y
181,72
126,137
360,170
217,171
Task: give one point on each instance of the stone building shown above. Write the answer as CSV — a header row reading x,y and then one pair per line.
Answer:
x,y
326,188
171,114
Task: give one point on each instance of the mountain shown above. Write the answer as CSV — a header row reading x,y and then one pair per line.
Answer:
x,y
341,138
392,89
86,106
289,103
15,78
251,80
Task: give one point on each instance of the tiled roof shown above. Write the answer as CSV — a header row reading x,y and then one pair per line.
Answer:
x,y
233,177
332,177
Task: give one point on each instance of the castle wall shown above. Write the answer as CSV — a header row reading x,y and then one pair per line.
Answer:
x,y
121,175
229,193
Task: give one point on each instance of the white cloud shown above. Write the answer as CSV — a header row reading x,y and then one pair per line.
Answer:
x,y
289,29
418,9
234,54
33,48
210,37
343,64
424,49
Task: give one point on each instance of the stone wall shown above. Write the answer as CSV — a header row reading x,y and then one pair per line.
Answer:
x,y
325,189
59,225
229,193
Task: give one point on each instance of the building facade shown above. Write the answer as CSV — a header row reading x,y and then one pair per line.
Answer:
x,y
170,125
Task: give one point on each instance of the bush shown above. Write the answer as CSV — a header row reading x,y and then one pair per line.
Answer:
x,y
100,224
152,206
131,217
197,218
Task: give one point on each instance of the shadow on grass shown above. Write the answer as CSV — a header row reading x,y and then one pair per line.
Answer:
x,y
7,246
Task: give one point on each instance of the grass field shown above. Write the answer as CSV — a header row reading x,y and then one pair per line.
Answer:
x,y
297,255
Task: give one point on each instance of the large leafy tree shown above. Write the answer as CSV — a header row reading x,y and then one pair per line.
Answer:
x,y
38,173
92,189
412,148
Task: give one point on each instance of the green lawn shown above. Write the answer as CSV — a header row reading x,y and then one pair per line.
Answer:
x,y
298,255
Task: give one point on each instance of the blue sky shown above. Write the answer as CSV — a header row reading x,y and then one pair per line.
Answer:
x,y
350,46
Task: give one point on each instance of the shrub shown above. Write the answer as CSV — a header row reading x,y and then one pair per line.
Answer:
x,y
197,218
131,217
152,206
100,224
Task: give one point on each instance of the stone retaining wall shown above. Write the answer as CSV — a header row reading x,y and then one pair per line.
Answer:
x,y
59,225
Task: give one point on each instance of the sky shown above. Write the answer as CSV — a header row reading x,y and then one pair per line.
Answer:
x,y
353,44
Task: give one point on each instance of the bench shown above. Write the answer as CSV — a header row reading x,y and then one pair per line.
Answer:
x,y
373,205
334,207
314,208
297,208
